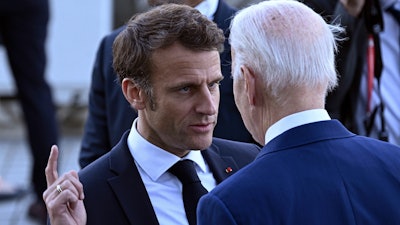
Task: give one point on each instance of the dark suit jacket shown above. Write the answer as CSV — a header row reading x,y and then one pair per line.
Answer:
x,y
110,115
115,193
318,173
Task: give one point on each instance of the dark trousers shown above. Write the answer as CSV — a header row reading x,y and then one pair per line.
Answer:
x,y
23,28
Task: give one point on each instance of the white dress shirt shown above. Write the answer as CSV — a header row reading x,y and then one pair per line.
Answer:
x,y
295,120
163,188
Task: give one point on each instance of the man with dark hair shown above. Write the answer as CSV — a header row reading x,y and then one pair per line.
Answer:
x,y
172,79
109,114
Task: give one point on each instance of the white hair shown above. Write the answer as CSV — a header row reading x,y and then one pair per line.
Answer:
x,y
286,43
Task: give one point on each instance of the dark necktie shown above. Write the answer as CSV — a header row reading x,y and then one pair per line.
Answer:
x,y
192,189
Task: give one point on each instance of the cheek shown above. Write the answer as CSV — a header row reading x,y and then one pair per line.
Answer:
x,y
174,112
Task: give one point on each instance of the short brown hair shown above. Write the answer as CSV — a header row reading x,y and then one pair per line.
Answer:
x,y
158,28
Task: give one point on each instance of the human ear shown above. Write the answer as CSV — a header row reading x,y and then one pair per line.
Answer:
x,y
250,84
133,94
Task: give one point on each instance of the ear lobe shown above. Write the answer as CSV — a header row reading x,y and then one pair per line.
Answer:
x,y
250,84
133,94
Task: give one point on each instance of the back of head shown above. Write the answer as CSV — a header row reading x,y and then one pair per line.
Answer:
x,y
286,43
159,28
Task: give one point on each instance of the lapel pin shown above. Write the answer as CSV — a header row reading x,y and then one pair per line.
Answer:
x,y
228,170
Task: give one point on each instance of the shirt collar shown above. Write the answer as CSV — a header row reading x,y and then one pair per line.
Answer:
x,y
208,8
153,160
294,120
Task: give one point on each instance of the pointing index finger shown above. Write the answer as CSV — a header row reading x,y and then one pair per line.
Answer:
x,y
51,168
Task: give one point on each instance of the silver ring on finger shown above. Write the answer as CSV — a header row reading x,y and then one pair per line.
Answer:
x,y
59,189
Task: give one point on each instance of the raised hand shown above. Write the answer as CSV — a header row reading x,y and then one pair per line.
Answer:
x,y
64,195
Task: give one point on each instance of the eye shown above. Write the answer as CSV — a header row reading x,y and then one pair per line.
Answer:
x,y
214,85
185,89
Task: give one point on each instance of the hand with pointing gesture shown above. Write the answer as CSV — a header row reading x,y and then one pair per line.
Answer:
x,y
64,195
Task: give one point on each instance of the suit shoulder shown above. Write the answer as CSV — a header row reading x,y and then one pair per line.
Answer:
x,y
117,159
228,147
115,33
99,166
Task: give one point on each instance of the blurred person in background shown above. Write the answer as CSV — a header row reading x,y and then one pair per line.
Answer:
x,y
378,105
340,103
109,114
368,66
23,28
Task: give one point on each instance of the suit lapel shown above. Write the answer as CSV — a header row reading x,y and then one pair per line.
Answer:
x,y
221,166
129,189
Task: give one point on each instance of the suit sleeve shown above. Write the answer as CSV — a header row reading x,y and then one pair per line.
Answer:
x,y
95,140
211,210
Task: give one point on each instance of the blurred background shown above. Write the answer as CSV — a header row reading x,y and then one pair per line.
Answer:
x,y
74,33
75,30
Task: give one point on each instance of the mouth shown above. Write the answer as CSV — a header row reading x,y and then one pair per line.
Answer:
x,y
203,127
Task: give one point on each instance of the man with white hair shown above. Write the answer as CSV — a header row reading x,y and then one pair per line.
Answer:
x,y
312,170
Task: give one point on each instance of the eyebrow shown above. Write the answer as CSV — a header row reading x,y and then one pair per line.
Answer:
x,y
195,83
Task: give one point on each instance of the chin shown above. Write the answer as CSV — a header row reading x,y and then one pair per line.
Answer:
x,y
201,143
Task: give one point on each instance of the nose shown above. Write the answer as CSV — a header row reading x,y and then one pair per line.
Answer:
x,y
208,101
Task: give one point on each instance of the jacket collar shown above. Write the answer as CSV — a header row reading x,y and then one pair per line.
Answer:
x,y
136,204
305,134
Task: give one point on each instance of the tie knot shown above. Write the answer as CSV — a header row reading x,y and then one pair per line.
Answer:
x,y
184,170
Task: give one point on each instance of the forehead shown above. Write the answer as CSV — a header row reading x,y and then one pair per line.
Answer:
x,y
178,62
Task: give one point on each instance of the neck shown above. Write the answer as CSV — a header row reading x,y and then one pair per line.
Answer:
x,y
293,102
